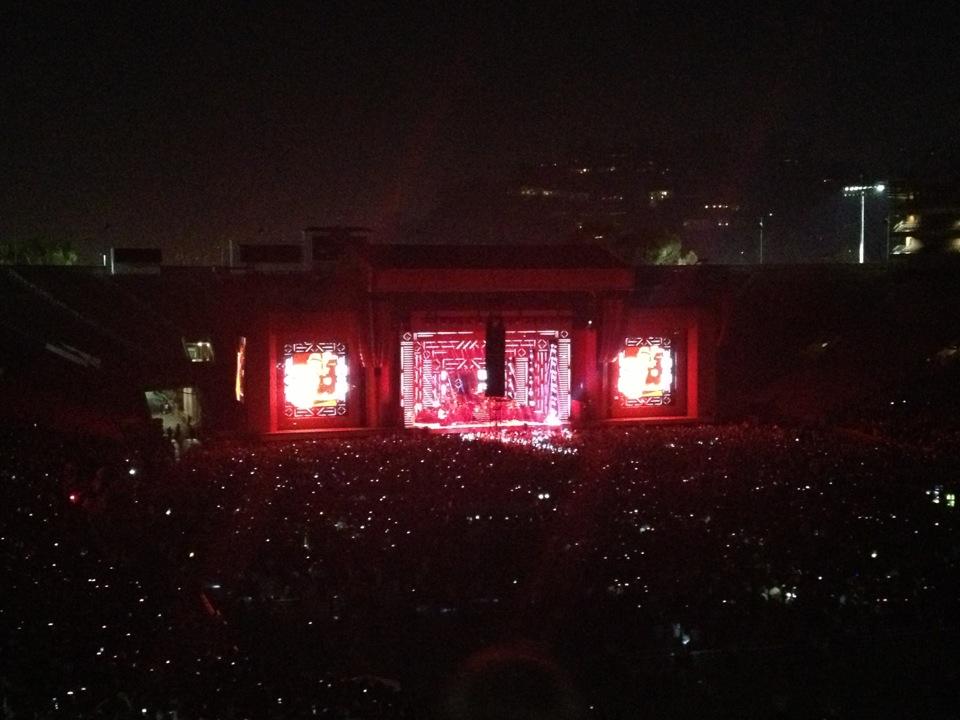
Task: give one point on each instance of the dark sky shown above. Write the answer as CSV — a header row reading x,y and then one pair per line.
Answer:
x,y
185,126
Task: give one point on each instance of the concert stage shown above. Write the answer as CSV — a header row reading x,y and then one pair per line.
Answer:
x,y
409,348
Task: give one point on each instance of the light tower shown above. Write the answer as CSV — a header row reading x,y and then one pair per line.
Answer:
x,y
862,190
761,235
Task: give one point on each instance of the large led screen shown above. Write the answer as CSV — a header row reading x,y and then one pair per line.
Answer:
x,y
444,378
646,372
313,381
241,369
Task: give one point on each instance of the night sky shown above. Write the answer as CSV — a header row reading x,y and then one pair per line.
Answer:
x,y
187,126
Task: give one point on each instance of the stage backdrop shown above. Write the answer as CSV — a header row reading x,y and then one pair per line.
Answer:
x,y
444,374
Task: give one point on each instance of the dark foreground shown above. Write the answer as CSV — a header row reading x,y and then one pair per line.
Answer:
x,y
734,571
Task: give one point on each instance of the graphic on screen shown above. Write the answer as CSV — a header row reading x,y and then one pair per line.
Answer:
x,y
645,372
315,379
444,377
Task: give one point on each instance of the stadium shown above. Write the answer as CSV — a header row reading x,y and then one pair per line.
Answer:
x,y
377,336
292,487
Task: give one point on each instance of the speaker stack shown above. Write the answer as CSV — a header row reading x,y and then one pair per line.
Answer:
x,y
496,350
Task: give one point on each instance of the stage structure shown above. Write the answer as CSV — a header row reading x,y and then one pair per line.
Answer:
x,y
399,340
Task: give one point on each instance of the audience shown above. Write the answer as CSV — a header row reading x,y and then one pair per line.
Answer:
x,y
348,578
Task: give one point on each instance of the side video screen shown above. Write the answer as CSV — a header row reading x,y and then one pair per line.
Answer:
x,y
313,381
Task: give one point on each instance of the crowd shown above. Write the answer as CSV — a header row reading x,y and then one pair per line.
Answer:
x,y
350,578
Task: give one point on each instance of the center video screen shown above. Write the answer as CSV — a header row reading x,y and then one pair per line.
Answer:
x,y
443,379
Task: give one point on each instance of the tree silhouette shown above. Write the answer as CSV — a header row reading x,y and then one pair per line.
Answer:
x,y
37,251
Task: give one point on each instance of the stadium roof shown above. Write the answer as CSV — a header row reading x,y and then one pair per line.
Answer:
x,y
479,257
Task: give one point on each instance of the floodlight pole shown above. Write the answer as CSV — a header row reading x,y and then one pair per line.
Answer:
x,y
863,217
861,190
761,239
761,234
